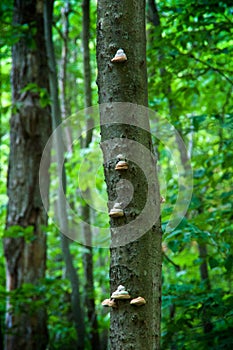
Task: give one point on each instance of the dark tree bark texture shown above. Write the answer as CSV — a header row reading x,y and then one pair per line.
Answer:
x,y
30,129
135,258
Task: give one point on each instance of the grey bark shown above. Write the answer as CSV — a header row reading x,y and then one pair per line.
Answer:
x,y
136,264
62,213
26,327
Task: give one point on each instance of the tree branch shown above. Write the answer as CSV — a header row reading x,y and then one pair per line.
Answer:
x,y
177,267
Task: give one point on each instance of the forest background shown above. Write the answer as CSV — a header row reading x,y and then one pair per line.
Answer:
x,y
190,70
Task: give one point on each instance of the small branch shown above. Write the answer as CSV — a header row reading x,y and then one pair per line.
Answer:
x,y
177,267
211,67
59,31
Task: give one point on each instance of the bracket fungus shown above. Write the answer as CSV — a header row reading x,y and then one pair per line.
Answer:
x,y
162,199
116,211
121,165
139,301
120,293
109,303
120,56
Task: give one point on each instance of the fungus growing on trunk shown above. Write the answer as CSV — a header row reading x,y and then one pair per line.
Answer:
x,y
139,301
120,56
120,293
116,211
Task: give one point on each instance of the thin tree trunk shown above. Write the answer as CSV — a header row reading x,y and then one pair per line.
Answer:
x,y
26,326
62,214
135,254
207,324
65,11
63,72
85,209
155,20
87,67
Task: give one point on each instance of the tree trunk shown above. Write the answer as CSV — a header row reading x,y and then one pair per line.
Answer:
x,y
155,20
30,129
87,68
207,324
61,207
65,112
85,209
135,237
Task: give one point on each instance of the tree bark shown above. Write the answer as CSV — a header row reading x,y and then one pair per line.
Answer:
x,y
135,257
62,213
30,129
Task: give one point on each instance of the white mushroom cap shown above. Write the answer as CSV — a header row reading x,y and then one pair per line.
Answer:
x,y
117,206
120,52
120,56
120,288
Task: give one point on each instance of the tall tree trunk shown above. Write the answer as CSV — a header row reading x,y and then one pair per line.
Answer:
x,y
65,112
207,324
87,67
62,213
135,244
30,129
155,20
85,210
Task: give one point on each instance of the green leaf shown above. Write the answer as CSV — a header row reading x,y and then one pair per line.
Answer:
x,y
213,262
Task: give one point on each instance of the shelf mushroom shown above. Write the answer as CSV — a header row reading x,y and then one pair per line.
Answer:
x,y
139,301
121,165
120,293
116,211
120,56
109,303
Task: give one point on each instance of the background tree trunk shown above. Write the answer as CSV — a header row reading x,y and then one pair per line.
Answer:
x,y
65,110
135,263
61,205
30,129
85,209
154,17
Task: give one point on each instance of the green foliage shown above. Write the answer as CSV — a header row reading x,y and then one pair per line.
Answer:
x,y
18,231
42,92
